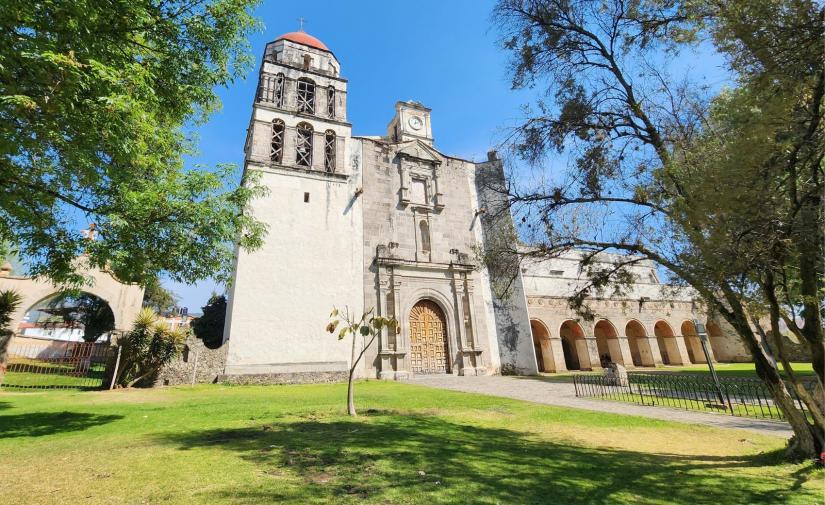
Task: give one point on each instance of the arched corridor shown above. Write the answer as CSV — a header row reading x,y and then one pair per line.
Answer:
x,y
667,344
607,341
542,346
574,346
692,342
639,345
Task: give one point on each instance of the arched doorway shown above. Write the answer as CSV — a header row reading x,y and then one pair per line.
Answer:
x,y
607,341
429,351
694,346
72,316
542,346
638,343
667,343
574,346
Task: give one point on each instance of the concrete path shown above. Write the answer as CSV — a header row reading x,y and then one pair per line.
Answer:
x,y
562,394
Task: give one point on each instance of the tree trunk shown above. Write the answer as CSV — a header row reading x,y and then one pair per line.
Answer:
x,y
350,392
807,442
350,396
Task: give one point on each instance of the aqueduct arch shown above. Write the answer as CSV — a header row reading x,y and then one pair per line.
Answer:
x,y
639,345
574,346
542,346
667,343
607,341
694,346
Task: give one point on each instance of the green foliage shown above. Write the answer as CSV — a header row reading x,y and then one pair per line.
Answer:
x,y
209,326
96,102
145,349
158,298
9,302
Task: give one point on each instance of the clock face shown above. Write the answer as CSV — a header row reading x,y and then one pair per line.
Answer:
x,y
415,123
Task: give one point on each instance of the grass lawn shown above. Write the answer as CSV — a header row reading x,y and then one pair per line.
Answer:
x,y
739,369
291,444
52,375
729,370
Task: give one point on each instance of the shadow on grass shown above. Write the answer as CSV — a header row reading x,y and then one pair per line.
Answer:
x,y
38,424
381,457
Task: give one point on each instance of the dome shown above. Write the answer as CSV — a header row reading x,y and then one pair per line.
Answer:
x,y
305,39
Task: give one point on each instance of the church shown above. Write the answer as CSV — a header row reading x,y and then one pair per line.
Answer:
x,y
389,223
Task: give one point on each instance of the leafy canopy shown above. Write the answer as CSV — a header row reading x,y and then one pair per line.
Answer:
x,y
96,99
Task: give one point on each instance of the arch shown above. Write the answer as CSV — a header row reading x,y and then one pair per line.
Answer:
x,y
306,95
541,344
429,345
667,343
303,145
640,350
75,316
331,101
692,342
276,143
329,150
574,346
607,342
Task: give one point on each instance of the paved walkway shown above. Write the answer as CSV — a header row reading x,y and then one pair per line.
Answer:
x,y
538,390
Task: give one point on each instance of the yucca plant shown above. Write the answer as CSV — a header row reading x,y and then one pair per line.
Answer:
x,y
9,302
147,348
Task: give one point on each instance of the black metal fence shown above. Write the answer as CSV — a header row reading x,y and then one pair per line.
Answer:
x,y
53,364
735,396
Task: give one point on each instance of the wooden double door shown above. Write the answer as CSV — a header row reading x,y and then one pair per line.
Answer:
x,y
429,352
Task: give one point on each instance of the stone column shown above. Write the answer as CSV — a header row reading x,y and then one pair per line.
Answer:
x,y
682,349
591,348
624,349
653,344
558,354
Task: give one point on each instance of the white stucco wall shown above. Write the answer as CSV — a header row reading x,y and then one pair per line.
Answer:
x,y
311,262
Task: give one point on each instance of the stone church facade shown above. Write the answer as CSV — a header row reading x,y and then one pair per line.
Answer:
x,y
391,224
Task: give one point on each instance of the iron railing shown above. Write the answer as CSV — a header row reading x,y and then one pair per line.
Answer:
x,y
57,365
742,397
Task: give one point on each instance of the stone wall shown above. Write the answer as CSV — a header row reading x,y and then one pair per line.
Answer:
x,y
284,378
197,364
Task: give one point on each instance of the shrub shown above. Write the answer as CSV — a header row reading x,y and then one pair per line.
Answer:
x,y
148,347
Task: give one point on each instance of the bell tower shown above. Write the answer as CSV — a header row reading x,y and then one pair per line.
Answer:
x,y
300,144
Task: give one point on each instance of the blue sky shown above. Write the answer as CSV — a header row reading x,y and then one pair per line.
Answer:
x,y
444,54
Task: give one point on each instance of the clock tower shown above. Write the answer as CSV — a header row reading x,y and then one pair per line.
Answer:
x,y
411,122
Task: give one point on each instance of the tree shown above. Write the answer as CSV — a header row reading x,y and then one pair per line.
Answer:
x,y
9,302
98,100
146,348
158,298
209,326
368,328
725,193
